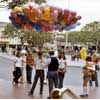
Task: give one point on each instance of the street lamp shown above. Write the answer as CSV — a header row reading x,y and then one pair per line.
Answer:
x,y
69,29
66,41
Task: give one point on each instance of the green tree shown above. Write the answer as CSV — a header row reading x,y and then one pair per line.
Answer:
x,y
90,33
39,1
76,37
92,27
11,31
15,3
93,31
32,37
36,38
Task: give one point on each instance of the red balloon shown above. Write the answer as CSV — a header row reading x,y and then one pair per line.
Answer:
x,y
66,11
73,13
68,21
26,25
65,16
18,20
60,16
48,17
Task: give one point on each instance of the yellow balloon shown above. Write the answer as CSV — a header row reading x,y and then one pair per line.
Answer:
x,y
25,10
46,14
16,9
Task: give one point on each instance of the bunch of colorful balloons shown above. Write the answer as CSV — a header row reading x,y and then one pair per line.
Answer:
x,y
43,18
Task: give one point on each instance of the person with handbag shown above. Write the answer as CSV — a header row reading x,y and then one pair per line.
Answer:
x,y
62,68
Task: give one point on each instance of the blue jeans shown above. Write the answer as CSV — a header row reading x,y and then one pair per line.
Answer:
x,y
61,78
28,73
52,79
18,74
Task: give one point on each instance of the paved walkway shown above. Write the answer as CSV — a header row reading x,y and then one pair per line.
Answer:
x,y
9,91
73,80
7,56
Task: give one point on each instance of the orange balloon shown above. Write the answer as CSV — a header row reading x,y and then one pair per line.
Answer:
x,y
17,9
32,15
26,10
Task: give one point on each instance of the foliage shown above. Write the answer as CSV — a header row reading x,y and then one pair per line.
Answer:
x,y
90,33
11,31
36,38
15,3
32,37
39,1
92,27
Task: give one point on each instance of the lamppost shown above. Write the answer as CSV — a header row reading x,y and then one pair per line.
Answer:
x,y
66,42
66,39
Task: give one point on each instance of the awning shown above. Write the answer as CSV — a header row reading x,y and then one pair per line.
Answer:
x,y
4,41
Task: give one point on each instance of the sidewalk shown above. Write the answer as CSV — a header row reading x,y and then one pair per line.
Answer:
x,y
7,56
72,80
21,91
71,63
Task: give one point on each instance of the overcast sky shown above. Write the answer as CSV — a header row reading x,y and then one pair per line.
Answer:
x,y
88,9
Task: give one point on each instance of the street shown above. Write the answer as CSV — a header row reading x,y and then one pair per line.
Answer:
x,y
73,80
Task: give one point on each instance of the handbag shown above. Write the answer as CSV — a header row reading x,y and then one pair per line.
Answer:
x,y
61,70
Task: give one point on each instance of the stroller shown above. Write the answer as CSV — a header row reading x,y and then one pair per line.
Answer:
x,y
16,76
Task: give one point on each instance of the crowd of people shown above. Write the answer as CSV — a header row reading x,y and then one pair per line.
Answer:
x,y
52,68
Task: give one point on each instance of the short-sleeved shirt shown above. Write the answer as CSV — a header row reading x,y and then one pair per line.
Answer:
x,y
18,62
40,64
61,63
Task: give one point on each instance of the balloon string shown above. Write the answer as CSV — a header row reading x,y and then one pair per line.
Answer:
x,y
68,4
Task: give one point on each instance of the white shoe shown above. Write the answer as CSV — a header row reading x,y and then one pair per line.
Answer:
x,y
45,82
